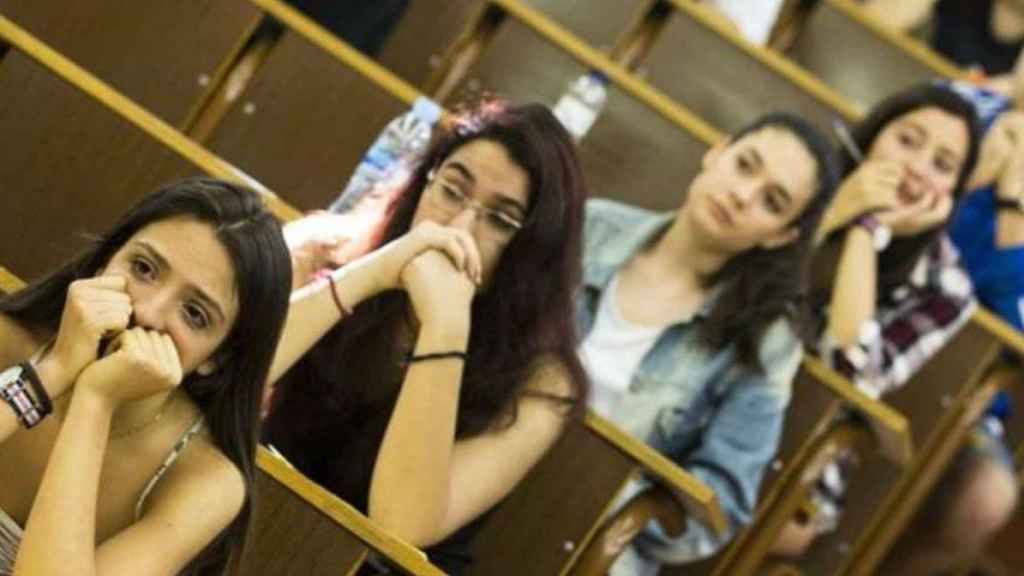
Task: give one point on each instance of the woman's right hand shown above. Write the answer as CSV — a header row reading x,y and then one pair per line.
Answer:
x,y
872,187
95,308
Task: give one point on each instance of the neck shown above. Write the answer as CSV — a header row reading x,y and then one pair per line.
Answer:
x,y
680,254
139,415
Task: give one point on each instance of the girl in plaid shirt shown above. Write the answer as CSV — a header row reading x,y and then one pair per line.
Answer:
x,y
898,295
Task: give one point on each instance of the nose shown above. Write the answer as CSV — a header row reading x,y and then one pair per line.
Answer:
x,y
741,195
150,309
917,172
465,219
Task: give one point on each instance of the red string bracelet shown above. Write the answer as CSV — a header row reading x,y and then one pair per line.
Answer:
x,y
344,310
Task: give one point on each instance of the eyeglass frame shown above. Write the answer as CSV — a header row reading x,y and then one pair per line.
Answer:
x,y
465,201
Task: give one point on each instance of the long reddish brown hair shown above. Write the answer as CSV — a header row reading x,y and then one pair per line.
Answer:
x,y
330,410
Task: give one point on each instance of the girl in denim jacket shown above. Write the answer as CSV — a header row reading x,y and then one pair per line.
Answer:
x,y
689,318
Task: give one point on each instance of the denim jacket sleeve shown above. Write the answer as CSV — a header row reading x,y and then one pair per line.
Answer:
x,y
738,442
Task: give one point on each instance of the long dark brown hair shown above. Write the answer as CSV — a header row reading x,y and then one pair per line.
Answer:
x,y
761,285
329,411
229,398
897,262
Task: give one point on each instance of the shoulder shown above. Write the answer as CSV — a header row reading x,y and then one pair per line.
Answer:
x,y
604,212
987,103
205,479
608,222
550,377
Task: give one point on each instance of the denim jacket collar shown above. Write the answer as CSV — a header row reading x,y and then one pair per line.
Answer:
x,y
601,267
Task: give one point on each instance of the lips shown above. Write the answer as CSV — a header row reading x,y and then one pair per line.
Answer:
x,y
720,214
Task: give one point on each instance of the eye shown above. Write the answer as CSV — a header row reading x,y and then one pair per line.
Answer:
x,y
195,315
503,223
744,164
452,193
907,139
143,269
945,165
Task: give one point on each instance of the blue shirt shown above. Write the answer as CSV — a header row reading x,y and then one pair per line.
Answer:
x,y
716,419
997,273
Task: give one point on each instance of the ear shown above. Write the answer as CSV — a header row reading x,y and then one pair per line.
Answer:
x,y
712,154
782,238
207,368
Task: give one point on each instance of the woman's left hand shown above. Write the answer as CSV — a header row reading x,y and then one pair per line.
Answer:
x,y
143,363
926,213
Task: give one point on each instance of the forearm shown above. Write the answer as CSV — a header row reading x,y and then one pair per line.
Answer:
x,y
313,312
409,492
60,536
854,291
1009,229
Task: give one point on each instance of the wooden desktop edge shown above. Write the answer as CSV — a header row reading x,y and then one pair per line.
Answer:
x,y
775,62
79,78
891,429
398,552
594,59
351,57
700,500
918,51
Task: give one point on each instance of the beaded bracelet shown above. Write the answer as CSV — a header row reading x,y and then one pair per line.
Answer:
x,y
30,403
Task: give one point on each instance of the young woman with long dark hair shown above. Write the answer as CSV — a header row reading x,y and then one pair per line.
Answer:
x,y
692,319
453,366
892,293
137,369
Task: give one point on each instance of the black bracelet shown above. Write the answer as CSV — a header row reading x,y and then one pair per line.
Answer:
x,y
411,358
1014,204
42,399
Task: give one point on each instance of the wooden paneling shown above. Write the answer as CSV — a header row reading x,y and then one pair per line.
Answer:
x,y
722,81
863,63
631,154
304,123
162,53
71,167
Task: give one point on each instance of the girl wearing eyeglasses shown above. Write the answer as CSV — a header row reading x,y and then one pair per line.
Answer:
x,y
421,386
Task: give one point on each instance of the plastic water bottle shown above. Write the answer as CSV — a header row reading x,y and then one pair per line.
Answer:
x,y
580,106
391,156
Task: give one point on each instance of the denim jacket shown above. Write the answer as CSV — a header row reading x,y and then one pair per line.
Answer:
x,y
698,406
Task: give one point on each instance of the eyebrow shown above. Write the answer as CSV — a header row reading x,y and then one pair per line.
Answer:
x,y
774,186
941,148
915,126
503,199
199,292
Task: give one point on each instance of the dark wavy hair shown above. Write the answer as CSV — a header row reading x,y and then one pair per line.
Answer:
x,y
761,285
338,399
229,398
899,259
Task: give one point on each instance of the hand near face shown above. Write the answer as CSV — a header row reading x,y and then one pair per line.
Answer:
x,y
1010,184
998,148
94,308
142,363
872,187
924,214
441,294
389,262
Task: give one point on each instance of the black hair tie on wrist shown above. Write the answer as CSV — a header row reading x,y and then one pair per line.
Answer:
x,y
411,358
